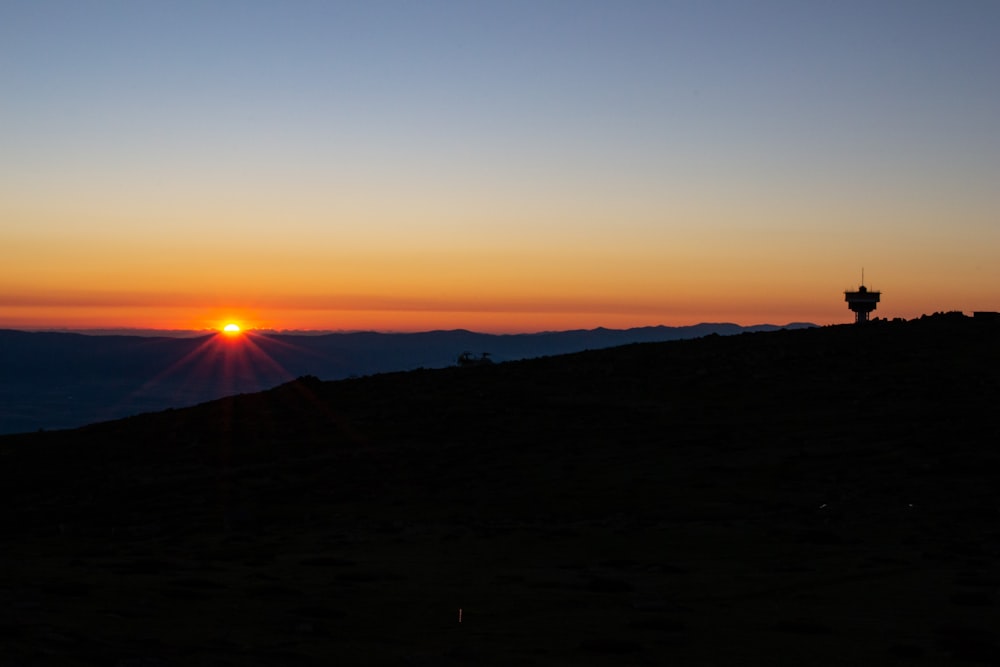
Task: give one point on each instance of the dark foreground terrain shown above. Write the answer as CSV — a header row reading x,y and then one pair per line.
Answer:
x,y
58,380
815,497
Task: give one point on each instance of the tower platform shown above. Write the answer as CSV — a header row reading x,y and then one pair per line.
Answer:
x,y
862,302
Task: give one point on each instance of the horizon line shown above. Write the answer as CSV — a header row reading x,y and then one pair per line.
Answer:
x,y
145,331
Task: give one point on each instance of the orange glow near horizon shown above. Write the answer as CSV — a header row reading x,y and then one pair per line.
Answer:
x,y
488,283
525,294
498,321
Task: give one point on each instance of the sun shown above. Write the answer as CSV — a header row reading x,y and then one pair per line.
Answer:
x,y
231,329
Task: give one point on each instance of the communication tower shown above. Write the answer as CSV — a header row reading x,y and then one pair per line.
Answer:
x,y
862,302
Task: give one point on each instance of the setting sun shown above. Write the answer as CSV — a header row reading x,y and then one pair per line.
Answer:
x,y
231,329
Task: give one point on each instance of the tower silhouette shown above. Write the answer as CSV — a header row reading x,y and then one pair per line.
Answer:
x,y
862,302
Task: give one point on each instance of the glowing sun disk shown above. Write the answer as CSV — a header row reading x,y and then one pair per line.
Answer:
x,y
231,328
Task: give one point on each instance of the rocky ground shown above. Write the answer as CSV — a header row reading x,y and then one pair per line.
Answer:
x,y
815,497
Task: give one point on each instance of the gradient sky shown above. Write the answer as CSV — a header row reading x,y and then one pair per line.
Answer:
x,y
497,166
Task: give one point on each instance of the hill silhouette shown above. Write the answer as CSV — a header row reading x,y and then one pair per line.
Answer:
x,y
823,496
51,380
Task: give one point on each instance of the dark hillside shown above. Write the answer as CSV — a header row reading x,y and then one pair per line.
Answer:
x,y
823,496
58,380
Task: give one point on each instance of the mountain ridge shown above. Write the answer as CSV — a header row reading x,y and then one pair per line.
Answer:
x,y
59,380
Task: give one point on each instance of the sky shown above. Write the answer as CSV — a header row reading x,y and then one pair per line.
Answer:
x,y
506,166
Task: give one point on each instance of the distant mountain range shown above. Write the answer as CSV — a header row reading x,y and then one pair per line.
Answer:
x,y
54,380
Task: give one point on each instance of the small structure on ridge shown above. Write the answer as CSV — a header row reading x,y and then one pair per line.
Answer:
x,y
862,302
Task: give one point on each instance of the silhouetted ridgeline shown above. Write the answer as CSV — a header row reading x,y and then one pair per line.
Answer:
x,y
59,380
826,496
